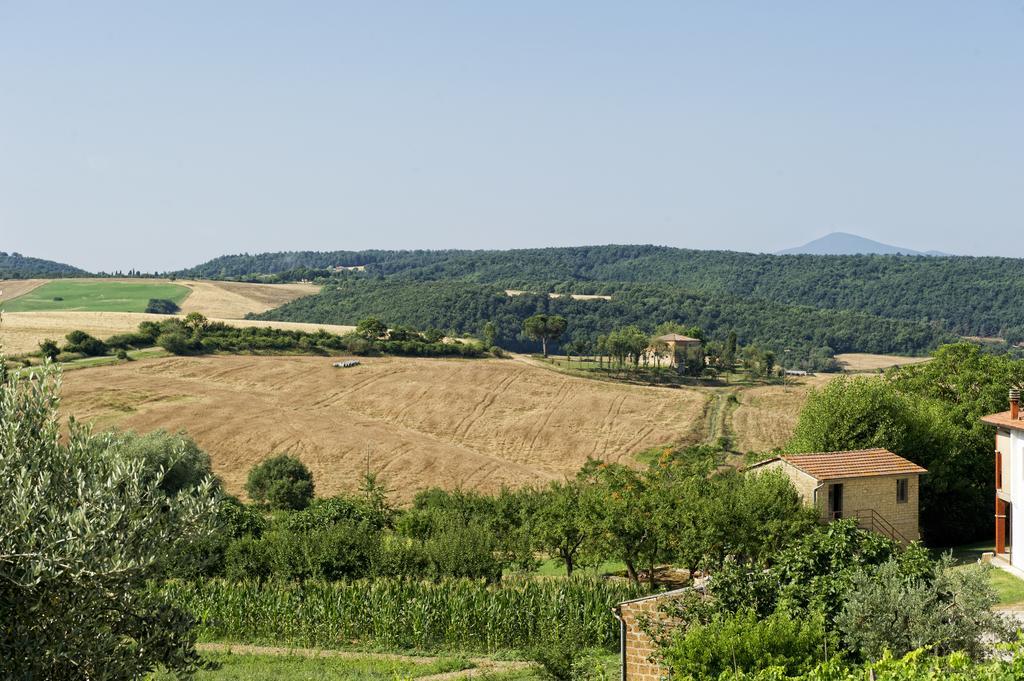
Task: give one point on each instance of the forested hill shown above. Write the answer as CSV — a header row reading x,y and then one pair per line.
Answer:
x,y
17,266
964,295
797,333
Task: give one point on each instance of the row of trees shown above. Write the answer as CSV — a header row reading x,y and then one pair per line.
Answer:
x,y
194,335
679,510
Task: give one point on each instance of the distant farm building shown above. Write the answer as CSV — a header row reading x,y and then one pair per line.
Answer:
x,y
513,293
875,487
675,350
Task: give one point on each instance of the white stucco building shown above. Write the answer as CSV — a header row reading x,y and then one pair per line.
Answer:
x,y
1009,474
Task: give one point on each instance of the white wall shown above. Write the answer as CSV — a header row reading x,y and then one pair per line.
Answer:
x,y
1016,490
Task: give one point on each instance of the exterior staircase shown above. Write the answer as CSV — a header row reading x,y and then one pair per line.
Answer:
x,y
869,519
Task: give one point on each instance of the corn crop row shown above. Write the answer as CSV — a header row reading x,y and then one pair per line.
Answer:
x,y
453,614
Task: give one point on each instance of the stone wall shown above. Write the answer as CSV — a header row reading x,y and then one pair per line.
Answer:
x,y
639,659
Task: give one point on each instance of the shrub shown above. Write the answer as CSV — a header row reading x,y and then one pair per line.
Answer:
x,y
48,349
745,642
162,306
281,482
176,461
560,648
948,610
176,343
121,354
81,342
464,550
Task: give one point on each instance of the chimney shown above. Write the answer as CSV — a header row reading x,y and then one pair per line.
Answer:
x,y
1014,403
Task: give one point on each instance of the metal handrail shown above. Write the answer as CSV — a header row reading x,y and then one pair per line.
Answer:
x,y
878,523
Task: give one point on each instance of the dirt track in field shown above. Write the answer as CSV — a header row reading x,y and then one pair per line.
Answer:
x,y
474,424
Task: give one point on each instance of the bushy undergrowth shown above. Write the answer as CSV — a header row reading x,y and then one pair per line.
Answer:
x,y
462,614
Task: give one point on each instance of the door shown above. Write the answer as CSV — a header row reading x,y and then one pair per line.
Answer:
x,y
835,501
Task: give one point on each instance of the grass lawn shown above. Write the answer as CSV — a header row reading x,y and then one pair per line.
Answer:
x,y
552,568
1009,589
94,296
235,667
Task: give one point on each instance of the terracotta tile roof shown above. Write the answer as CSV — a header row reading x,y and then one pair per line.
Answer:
x,y
860,463
1003,420
677,338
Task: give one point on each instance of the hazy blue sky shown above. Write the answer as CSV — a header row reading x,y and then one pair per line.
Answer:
x,y
159,134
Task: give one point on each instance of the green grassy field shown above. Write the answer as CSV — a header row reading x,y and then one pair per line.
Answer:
x,y
234,667
94,296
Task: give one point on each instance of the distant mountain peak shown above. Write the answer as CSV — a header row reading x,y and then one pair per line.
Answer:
x,y
844,243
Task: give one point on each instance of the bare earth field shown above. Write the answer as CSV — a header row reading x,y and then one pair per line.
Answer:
x,y
860,361
233,300
767,415
220,301
12,288
475,424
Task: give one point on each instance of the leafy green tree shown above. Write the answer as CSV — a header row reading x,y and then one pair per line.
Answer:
x,y
82,528
48,349
544,328
371,328
621,503
162,306
562,527
196,322
490,334
281,482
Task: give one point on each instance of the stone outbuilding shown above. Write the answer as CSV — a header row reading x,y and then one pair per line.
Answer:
x,y
637,650
876,487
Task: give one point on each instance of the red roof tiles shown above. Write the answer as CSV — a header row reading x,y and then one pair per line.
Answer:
x,y
852,464
1003,420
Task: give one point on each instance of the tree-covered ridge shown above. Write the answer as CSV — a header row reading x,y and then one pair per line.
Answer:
x,y
18,266
966,295
466,307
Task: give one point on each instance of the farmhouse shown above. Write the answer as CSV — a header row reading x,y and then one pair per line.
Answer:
x,y
1009,492
675,349
873,486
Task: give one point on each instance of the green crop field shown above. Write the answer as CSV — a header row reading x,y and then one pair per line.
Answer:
x,y
94,296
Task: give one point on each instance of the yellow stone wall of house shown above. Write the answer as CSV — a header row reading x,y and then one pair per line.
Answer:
x,y
804,483
879,494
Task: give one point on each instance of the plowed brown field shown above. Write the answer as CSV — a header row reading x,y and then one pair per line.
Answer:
x,y
474,424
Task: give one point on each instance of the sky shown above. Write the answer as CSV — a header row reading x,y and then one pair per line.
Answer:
x,y
156,135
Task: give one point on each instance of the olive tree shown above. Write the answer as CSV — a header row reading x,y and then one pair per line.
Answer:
x,y
83,526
